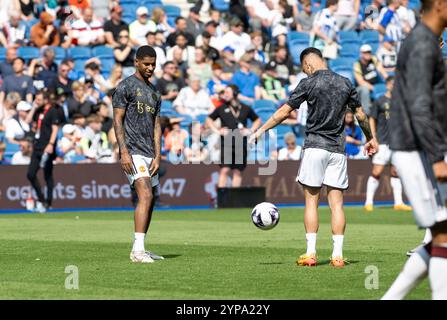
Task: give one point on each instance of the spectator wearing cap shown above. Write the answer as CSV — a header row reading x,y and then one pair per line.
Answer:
x,y
44,33
114,26
23,156
68,145
325,26
18,82
181,43
217,84
228,62
210,32
387,54
236,38
193,100
347,13
193,24
247,81
125,54
15,29
272,88
161,55
180,27
211,53
283,65
305,18
19,125
140,27
201,67
87,31
367,72
6,68
170,84
161,20
3,160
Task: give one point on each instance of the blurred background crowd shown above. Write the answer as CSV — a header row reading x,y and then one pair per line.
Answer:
x,y
82,49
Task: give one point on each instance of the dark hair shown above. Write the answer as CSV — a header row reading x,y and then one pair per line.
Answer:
x,y
178,19
310,50
331,3
19,58
181,34
167,63
145,51
235,89
389,79
427,5
151,33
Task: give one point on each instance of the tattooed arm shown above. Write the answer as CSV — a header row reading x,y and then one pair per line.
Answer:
x,y
157,148
371,145
118,125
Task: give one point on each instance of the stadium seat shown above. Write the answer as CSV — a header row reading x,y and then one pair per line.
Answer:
x,y
60,53
103,52
346,72
295,49
349,50
379,90
201,118
221,5
264,105
127,3
349,37
107,64
172,11
369,36
414,5
295,35
80,53
283,129
166,105
171,113
444,50
2,54
79,65
28,53
345,62
157,3
444,35
11,148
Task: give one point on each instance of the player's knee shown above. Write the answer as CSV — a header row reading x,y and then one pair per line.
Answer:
x,y
145,196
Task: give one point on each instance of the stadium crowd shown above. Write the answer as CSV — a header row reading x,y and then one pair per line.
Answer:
x,y
80,50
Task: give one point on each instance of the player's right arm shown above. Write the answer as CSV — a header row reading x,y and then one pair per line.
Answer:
x,y
118,125
278,117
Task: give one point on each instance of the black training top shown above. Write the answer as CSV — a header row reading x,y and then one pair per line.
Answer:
x,y
381,112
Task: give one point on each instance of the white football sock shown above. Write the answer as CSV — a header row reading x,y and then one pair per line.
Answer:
x,y
414,271
338,245
311,243
138,244
371,188
397,190
437,273
427,237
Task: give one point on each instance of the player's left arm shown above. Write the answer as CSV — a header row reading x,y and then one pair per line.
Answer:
x,y
155,164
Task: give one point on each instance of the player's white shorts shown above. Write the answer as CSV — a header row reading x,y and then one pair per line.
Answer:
x,y
141,165
320,167
383,156
420,186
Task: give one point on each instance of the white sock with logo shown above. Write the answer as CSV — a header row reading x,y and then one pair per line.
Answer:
x,y
414,271
397,190
371,188
138,244
338,245
311,242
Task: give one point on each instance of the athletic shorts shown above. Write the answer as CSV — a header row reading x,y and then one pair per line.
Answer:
x,y
383,156
141,165
320,167
420,186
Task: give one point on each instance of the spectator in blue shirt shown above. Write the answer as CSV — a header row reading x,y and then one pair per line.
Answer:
x,y
353,136
18,82
247,81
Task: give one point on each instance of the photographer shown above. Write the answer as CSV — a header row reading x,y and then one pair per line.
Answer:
x,y
233,116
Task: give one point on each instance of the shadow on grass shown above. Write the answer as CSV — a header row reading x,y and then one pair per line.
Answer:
x,y
171,256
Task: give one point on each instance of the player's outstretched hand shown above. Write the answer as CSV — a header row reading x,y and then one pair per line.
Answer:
x,y
155,165
253,138
371,147
126,163
440,170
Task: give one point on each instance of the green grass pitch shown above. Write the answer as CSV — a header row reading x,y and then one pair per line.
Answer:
x,y
210,254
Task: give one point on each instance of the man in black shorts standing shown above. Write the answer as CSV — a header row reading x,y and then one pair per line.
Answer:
x,y
136,110
328,96
44,150
419,146
233,147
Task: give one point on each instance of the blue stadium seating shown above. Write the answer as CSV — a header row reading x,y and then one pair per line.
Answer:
x,y
444,50
295,49
157,3
168,113
369,36
10,149
295,35
283,129
221,5
379,90
28,53
172,11
60,53
350,50
349,37
201,118
103,52
344,62
346,72
127,3
107,64
166,105
79,65
444,35
79,52
264,105
2,54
